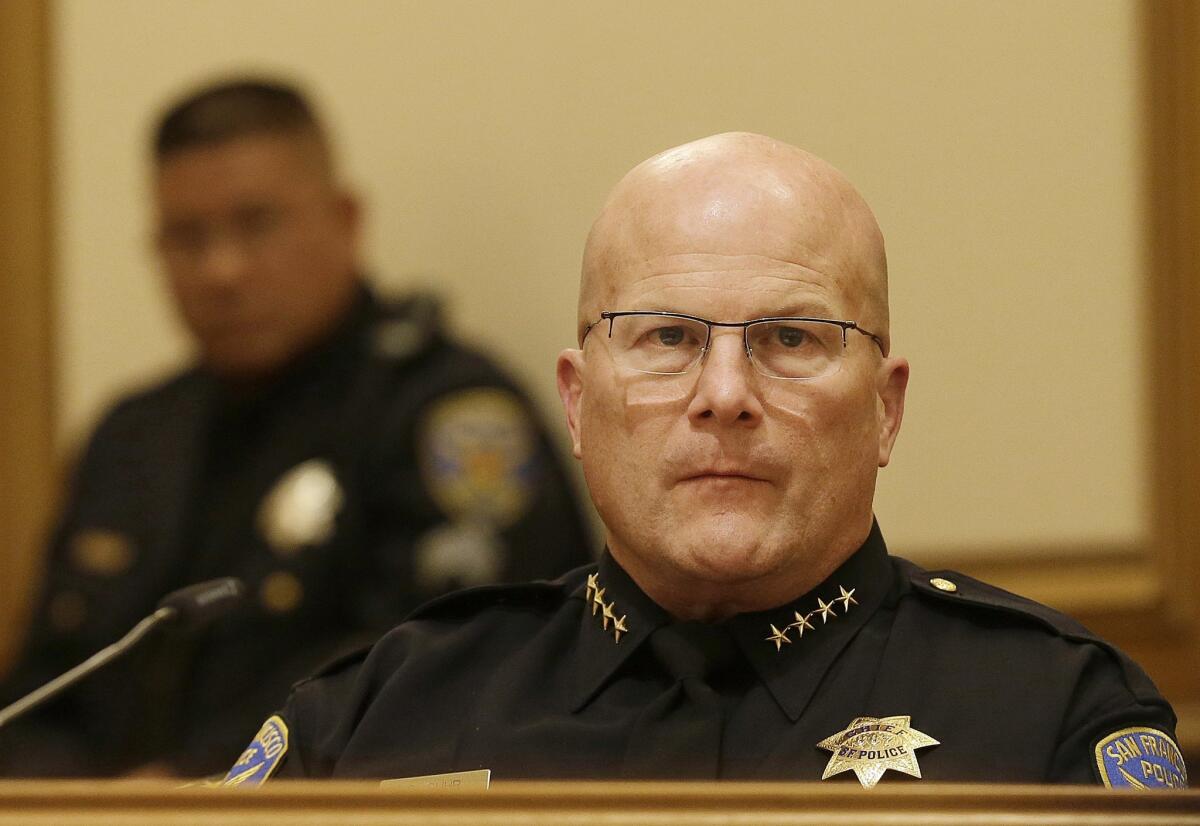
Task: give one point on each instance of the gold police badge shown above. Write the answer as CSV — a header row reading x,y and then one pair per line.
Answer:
x,y
869,746
302,508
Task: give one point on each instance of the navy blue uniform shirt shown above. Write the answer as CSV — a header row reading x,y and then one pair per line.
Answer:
x,y
387,466
881,664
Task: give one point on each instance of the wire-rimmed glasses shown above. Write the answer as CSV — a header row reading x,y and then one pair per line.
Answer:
x,y
785,347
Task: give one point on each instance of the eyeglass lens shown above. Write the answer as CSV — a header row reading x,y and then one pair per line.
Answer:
x,y
668,345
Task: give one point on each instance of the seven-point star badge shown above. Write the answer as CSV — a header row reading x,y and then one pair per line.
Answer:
x,y
872,745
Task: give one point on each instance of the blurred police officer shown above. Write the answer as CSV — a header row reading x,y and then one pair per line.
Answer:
x,y
337,451
732,398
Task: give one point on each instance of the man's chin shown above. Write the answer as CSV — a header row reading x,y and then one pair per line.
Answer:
x,y
244,363
726,552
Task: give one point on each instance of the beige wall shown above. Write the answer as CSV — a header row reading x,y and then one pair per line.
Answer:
x,y
997,141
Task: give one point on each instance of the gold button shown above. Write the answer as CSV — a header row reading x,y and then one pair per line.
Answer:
x,y
943,585
281,592
102,553
67,611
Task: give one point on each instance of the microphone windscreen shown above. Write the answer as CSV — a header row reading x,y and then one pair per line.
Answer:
x,y
197,605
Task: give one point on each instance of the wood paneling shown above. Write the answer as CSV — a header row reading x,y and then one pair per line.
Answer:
x,y
1146,599
1171,635
26,329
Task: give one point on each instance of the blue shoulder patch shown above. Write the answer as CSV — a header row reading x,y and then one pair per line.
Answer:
x,y
1140,758
262,756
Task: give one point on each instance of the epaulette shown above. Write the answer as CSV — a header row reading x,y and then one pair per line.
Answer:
x,y
956,588
951,587
341,662
540,594
406,326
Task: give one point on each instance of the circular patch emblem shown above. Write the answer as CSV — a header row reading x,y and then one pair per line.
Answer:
x,y
1140,758
478,457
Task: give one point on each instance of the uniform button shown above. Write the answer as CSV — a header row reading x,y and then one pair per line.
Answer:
x,y
281,592
67,610
943,585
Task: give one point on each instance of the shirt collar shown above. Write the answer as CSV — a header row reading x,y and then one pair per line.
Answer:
x,y
792,672
835,611
601,652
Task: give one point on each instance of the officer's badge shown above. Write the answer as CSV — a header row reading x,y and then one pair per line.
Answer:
x,y
457,555
871,745
478,457
261,757
1140,758
302,508
101,552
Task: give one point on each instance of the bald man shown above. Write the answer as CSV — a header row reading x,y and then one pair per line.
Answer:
x,y
732,398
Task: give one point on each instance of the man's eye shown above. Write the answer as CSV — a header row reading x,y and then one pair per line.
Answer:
x,y
668,336
256,220
792,336
184,237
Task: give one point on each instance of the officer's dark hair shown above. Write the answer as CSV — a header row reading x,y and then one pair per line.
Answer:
x,y
236,108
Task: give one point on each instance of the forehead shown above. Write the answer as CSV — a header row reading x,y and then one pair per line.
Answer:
x,y
729,260
730,287
252,167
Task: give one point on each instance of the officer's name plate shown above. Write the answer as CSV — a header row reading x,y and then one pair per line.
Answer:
x,y
449,782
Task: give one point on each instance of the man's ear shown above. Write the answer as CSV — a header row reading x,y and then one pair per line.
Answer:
x,y
570,390
349,212
892,385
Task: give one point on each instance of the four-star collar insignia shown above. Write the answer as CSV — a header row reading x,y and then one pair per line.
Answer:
x,y
803,622
607,610
871,745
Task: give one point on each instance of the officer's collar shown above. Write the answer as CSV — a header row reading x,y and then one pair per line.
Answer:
x,y
791,670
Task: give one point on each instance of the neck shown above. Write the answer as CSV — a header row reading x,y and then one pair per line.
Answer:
x,y
686,594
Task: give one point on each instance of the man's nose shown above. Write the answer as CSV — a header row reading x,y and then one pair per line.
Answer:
x,y
225,262
727,387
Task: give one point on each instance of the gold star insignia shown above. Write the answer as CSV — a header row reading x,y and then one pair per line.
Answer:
x,y
597,601
847,598
778,637
591,585
608,614
869,746
802,622
826,609
619,627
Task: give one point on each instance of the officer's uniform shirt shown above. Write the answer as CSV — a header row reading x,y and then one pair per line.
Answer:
x,y
384,468
965,682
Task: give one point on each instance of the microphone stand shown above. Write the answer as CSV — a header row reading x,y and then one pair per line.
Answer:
x,y
92,663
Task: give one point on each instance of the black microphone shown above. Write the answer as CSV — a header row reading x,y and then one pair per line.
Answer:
x,y
189,609
197,605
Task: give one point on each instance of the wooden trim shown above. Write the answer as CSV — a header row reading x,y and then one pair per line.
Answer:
x,y
27,477
615,804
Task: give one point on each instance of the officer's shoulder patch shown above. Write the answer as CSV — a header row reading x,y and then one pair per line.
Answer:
x,y
260,759
1140,758
478,455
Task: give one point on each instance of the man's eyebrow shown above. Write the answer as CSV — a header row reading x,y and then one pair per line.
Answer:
x,y
809,308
